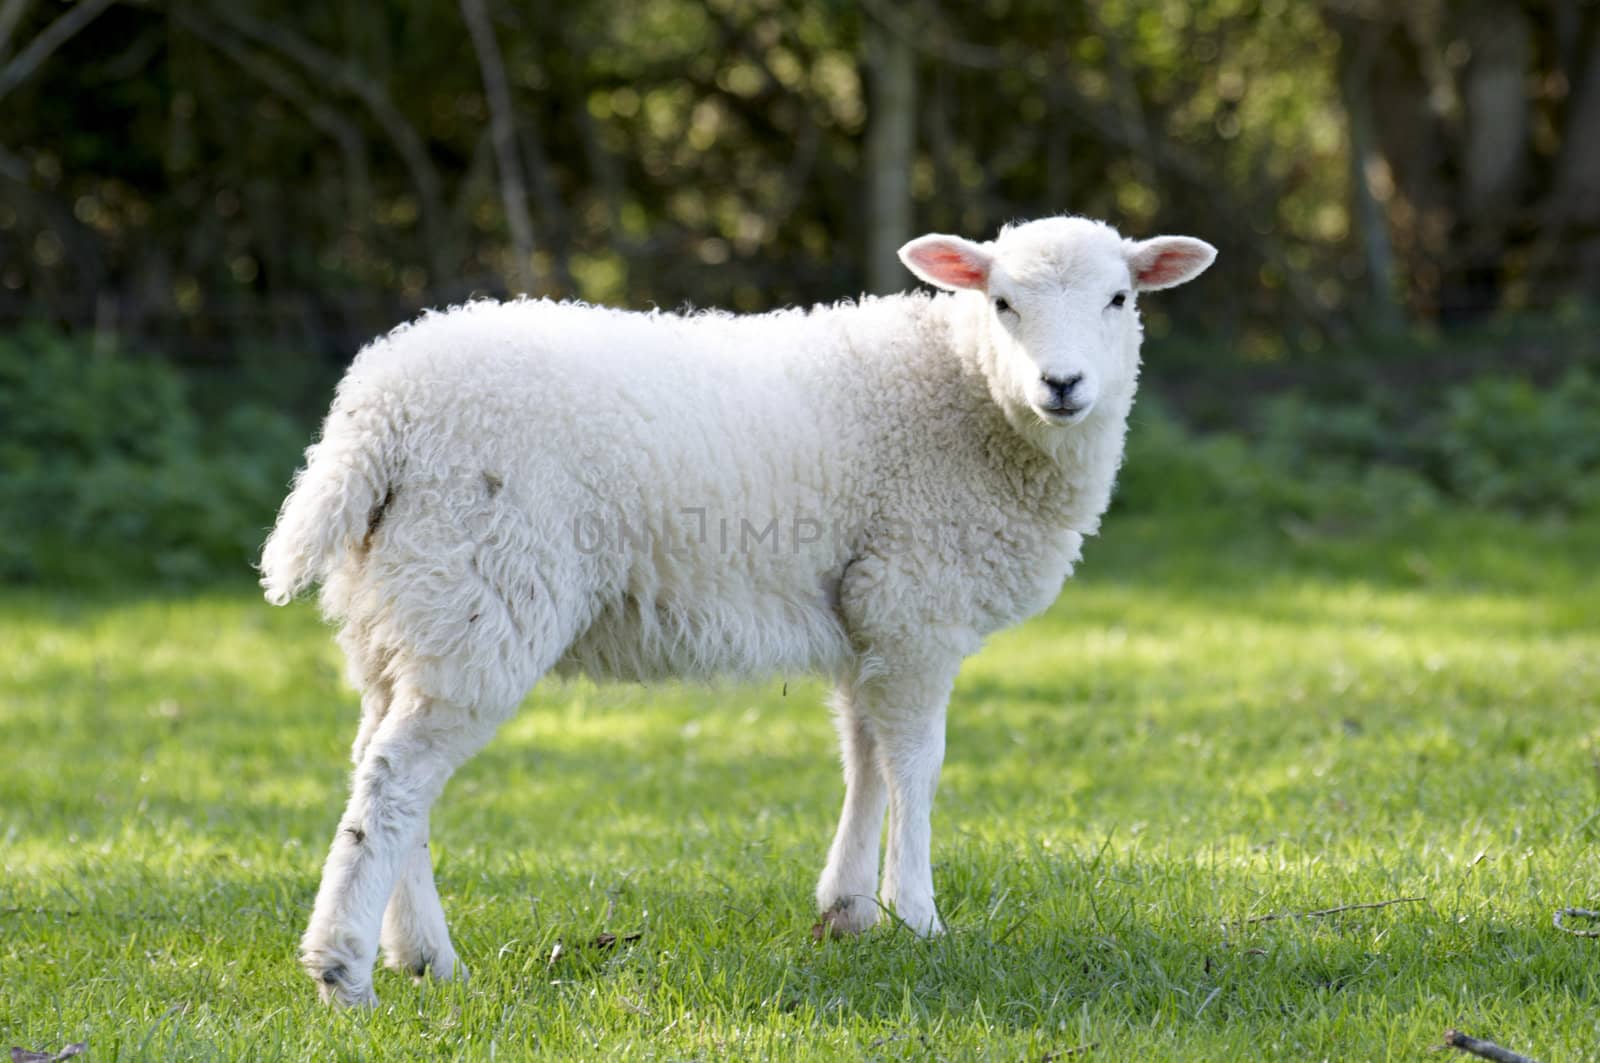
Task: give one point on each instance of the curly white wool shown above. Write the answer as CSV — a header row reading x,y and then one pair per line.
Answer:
x,y
864,490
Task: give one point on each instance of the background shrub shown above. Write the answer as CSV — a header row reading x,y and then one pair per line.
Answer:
x,y
108,473
121,468
1490,443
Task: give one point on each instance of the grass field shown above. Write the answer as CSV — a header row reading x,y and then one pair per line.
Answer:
x,y
1209,727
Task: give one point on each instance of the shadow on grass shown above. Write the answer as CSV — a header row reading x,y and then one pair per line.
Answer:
x,y
1069,939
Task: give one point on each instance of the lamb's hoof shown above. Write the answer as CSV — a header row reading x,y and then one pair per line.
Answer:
x,y
442,966
846,917
338,987
924,926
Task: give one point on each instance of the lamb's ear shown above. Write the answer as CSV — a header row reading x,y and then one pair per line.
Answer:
x,y
948,261
1166,261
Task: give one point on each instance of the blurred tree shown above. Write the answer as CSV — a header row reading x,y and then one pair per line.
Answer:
x,y
203,173
1486,114
890,151
503,132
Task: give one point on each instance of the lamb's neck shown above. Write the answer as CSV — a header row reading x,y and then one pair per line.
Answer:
x,y
1062,475
1087,457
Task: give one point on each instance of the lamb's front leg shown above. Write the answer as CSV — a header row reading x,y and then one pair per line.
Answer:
x,y
910,754
900,714
847,891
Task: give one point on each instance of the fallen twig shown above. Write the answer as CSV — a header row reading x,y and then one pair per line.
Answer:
x,y
1073,1051
23,1055
601,941
1331,911
608,940
1579,913
1483,1049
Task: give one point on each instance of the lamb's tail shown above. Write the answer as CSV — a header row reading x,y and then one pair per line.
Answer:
x,y
336,500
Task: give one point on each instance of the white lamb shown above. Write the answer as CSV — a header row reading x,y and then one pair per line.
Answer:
x,y
864,490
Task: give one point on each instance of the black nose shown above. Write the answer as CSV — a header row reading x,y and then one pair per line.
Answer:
x,y
1061,388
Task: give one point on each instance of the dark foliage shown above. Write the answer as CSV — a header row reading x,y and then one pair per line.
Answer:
x,y
108,472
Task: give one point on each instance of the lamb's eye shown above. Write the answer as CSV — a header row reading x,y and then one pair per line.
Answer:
x,y
1118,299
1002,307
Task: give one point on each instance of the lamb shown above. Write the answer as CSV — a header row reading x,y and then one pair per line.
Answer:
x,y
864,490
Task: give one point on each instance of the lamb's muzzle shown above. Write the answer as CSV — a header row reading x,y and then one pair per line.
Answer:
x,y
1060,397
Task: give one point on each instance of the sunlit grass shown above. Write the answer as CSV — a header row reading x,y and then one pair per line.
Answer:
x,y
1206,729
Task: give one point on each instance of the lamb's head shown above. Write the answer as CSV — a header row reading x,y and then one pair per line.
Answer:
x,y
1061,329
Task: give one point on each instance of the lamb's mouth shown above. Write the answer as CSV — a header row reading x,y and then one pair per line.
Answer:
x,y
1062,415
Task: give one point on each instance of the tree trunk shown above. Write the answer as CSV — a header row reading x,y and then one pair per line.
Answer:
x,y
503,128
1493,158
1567,255
1358,50
890,150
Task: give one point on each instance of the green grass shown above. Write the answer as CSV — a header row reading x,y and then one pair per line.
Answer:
x,y
1210,726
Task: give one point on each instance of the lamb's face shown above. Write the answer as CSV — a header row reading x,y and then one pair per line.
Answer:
x,y
1061,320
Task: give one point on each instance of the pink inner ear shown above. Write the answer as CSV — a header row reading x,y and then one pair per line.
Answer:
x,y
952,266
1170,265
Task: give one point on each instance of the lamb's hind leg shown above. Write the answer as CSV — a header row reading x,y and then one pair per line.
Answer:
x,y
409,756
415,939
